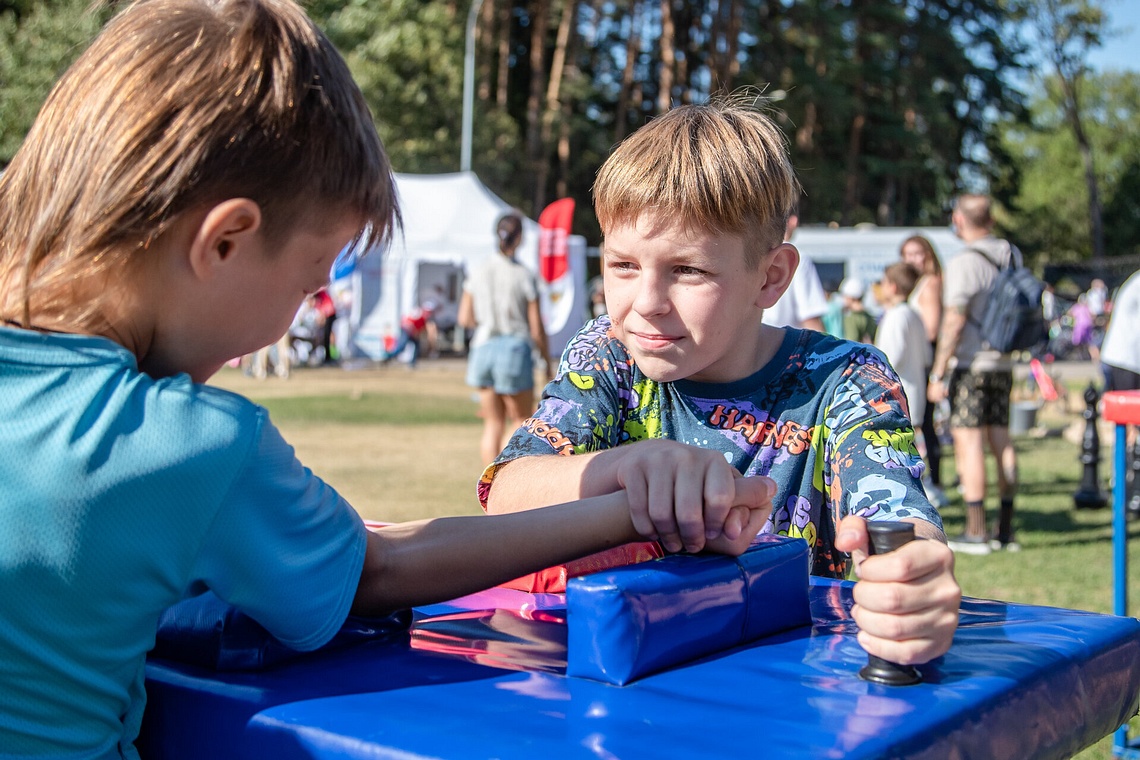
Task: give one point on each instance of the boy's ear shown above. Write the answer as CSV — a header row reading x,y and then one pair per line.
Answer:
x,y
780,263
228,229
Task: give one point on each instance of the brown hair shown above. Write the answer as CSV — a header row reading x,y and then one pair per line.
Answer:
x,y
721,167
175,105
930,262
903,276
509,230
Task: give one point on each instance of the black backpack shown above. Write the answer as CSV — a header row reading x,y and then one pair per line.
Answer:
x,y
1014,319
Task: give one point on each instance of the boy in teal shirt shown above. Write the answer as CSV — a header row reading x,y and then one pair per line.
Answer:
x,y
189,182
680,392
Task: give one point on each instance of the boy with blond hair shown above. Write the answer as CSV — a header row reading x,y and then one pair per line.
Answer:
x,y
681,391
189,181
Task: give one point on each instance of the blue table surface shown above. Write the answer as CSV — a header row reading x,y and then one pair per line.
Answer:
x,y
1020,681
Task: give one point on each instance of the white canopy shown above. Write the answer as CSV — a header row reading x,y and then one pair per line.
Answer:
x,y
448,227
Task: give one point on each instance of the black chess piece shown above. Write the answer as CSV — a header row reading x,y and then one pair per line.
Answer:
x,y
1089,495
886,537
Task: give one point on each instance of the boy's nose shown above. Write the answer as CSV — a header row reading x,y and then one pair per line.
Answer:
x,y
652,296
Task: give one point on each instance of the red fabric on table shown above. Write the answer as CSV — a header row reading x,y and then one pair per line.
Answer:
x,y
552,580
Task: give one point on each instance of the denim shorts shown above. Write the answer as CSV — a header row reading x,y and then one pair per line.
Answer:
x,y
504,363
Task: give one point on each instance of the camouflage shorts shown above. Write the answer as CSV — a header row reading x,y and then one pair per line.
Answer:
x,y
980,399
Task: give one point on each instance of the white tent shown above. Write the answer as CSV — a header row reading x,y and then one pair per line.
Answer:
x,y
449,222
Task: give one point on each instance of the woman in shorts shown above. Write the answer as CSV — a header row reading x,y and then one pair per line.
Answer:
x,y
500,302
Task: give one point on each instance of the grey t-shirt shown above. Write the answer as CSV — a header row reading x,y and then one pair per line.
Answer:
x,y
500,288
967,281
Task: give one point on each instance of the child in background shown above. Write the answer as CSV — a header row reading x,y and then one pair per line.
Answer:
x,y
412,326
858,324
189,181
681,391
901,336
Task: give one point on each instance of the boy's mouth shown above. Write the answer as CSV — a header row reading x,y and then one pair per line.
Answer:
x,y
654,341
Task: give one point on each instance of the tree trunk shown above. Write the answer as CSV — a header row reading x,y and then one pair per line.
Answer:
x,y
731,70
626,94
885,213
1096,222
805,133
668,58
553,105
504,54
851,172
485,30
563,188
535,152
855,132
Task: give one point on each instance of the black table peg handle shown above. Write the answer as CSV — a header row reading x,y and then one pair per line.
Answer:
x,y
886,537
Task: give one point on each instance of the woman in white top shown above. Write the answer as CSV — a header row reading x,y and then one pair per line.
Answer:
x,y
926,299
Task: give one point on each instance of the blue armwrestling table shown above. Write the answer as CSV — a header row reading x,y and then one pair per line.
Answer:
x,y
484,676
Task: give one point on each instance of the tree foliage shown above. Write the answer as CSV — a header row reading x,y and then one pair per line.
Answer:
x,y
38,41
1068,31
1051,205
889,106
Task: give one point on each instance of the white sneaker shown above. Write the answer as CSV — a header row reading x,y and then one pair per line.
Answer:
x,y
964,544
1007,546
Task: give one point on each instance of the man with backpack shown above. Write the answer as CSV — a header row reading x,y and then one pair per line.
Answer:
x,y
976,377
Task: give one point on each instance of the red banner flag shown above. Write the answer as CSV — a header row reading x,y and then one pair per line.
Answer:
x,y
553,239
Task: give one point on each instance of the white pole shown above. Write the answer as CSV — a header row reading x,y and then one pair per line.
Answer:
x,y
469,86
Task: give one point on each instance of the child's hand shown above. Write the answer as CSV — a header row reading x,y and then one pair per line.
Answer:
x,y
691,498
906,602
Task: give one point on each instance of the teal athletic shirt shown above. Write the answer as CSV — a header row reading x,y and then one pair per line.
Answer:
x,y
825,418
120,495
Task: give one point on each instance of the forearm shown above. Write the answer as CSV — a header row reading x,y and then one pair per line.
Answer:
x,y
538,331
435,560
539,481
924,529
953,322
466,316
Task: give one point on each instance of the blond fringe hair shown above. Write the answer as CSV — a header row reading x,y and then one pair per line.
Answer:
x,y
720,168
175,105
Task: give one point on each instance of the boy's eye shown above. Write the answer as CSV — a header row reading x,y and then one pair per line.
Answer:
x,y
686,270
622,266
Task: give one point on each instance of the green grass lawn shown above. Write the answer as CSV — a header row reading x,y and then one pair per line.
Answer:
x,y
370,409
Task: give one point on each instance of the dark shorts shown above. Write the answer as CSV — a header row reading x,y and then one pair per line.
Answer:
x,y
1117,379
980,399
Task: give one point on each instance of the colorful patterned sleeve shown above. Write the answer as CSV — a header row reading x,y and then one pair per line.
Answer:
x,y
581,408
875,467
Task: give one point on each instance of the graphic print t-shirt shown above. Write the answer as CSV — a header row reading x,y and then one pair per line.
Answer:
x,y
824,418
